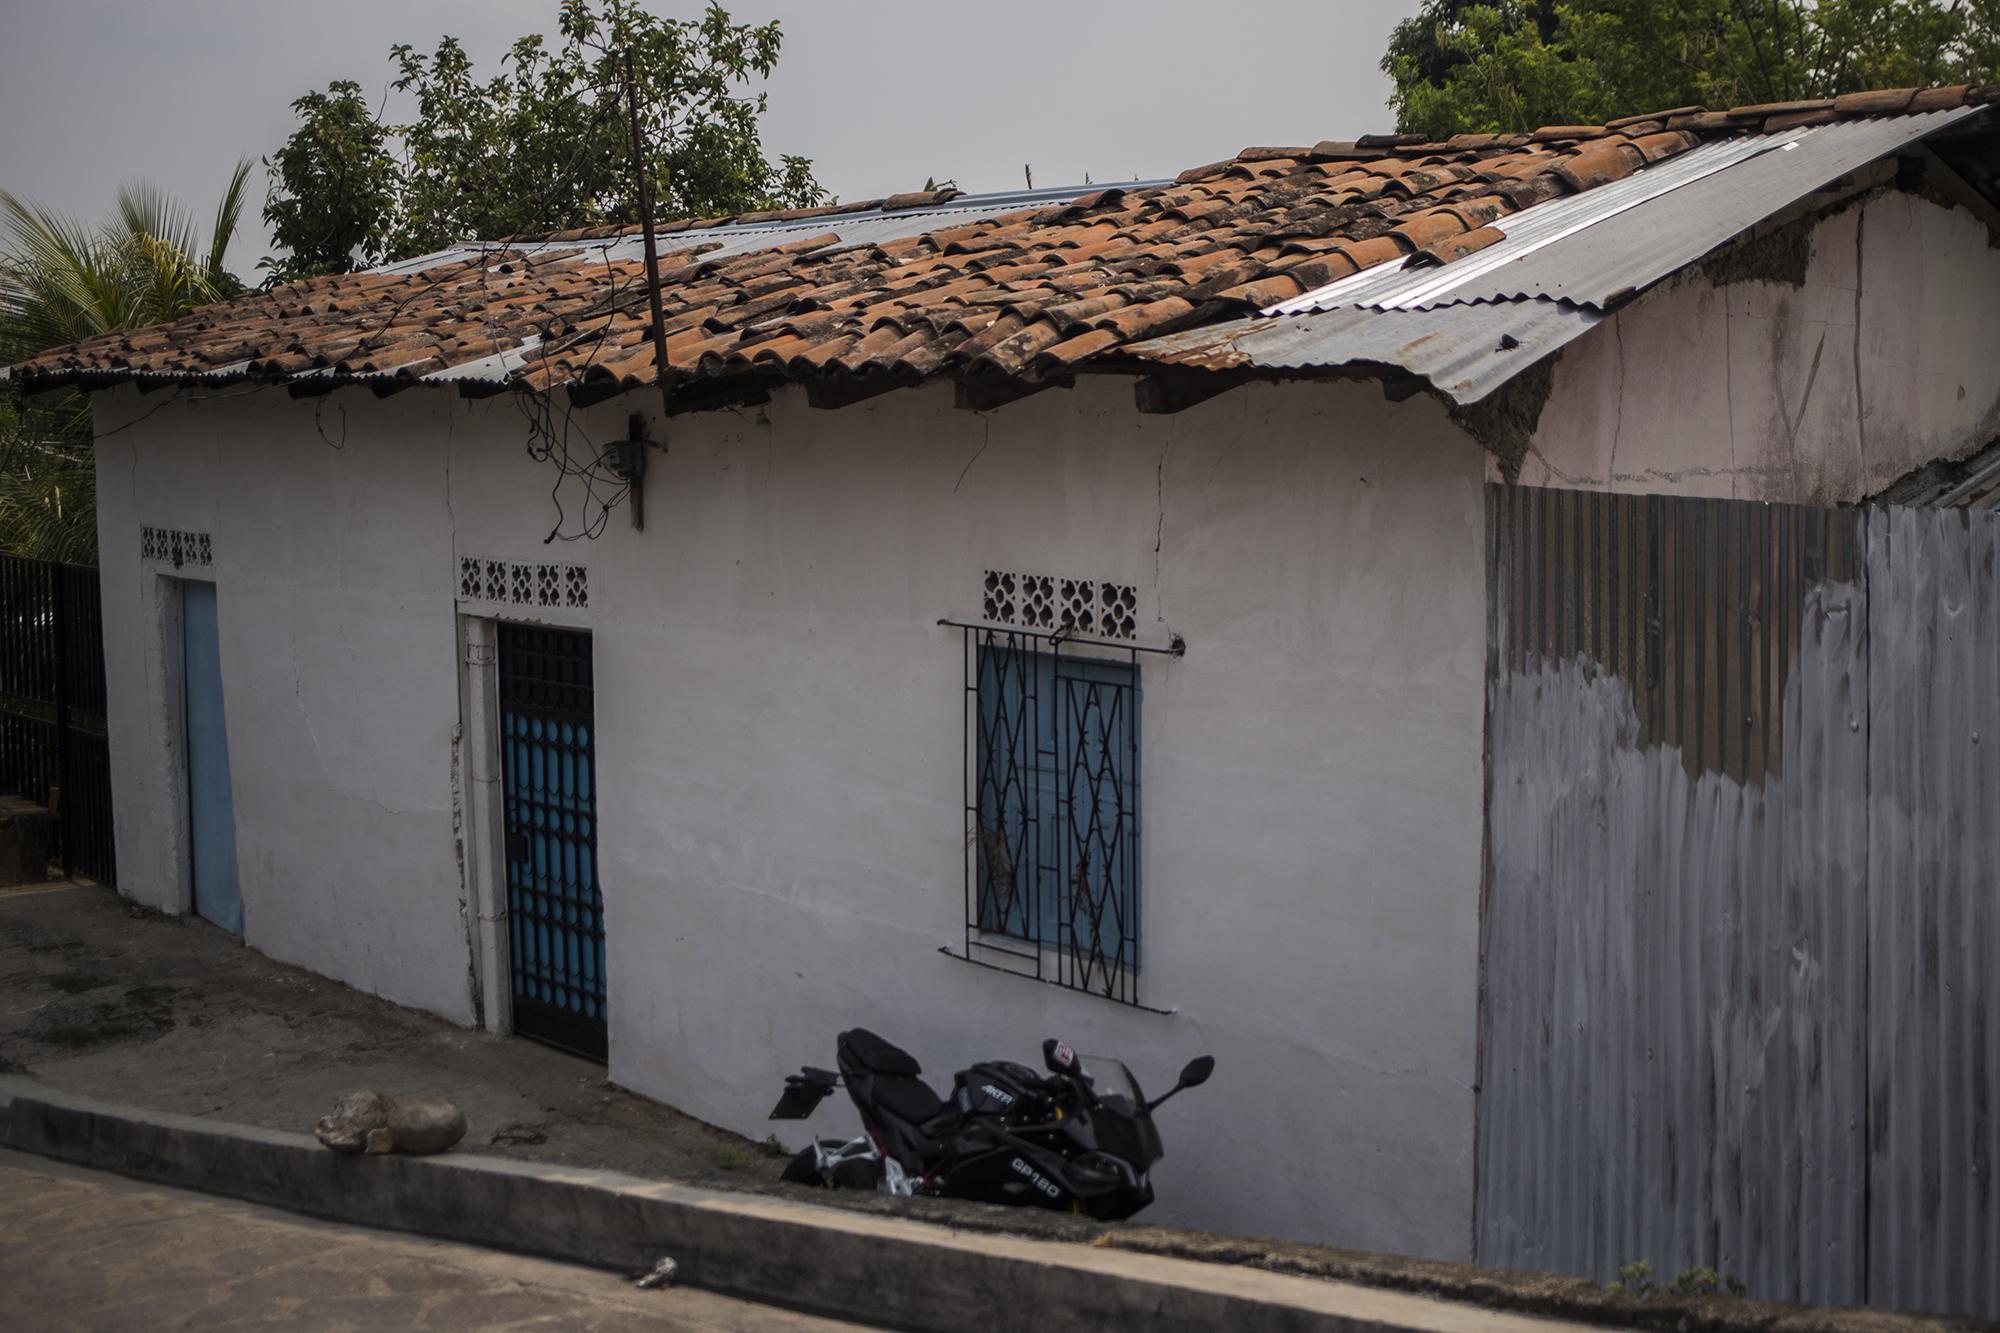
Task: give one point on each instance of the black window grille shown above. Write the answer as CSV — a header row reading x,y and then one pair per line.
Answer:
x,y
1052,808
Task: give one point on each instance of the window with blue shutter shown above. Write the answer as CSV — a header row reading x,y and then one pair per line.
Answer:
x,y
1054,809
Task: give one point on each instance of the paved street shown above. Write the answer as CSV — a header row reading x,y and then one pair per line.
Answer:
x,y
83,1250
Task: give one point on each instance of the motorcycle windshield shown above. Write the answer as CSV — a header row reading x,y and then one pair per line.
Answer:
x,y
1110,1078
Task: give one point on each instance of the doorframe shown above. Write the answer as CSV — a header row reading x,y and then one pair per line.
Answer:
x,y
173,617
484,830
171,645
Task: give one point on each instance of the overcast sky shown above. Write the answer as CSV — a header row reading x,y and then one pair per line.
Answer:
x,y
879,93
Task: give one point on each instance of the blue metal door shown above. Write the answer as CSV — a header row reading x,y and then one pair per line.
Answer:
x,y
555,907
211,803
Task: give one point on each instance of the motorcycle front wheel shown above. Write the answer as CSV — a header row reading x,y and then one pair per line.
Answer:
x,y
803,1169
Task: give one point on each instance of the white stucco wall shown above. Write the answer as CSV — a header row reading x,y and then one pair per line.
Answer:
x,y
1819,394
334,587
781,753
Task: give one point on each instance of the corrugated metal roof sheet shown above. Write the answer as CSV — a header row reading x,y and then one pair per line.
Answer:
x,y
1411,285
1590,248
1469,326
1980,488
491,369
1465,352
1974,483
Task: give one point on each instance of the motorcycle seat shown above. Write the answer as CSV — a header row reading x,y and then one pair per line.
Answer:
x,y
908,1099
896,1087
878,1056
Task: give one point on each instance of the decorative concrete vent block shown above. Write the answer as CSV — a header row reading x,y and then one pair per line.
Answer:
x,y
176,547
538,584
1084,608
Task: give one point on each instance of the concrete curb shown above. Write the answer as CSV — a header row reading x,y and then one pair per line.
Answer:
x,y
888,1271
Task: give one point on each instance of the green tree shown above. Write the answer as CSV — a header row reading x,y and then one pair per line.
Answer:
x,y
1512,65
542,145
333,187
61,281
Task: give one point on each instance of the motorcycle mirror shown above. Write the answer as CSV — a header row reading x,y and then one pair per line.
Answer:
x,y
1196,1074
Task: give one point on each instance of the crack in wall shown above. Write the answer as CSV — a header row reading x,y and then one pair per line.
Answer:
x,y
467,911
985,438
1792,420
466,914
1160,520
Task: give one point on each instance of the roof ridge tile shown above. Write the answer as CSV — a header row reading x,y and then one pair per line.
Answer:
x,y
1623,121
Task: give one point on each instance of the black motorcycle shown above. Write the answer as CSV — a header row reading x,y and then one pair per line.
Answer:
x,y
1080,1139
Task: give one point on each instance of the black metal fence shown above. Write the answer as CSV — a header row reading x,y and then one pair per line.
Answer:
x,y
53,748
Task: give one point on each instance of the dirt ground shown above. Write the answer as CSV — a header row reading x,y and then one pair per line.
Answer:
x,y
101,998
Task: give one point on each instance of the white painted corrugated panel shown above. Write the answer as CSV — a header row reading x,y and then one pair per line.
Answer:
x,y
1934,899
1742,933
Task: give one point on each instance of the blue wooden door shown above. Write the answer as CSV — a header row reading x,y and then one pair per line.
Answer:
x,y
555,907
211,803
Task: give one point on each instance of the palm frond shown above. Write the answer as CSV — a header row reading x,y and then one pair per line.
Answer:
x,y
144,209
62,281
228,211
58,281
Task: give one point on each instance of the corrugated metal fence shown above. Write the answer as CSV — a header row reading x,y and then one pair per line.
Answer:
x,y
1742,954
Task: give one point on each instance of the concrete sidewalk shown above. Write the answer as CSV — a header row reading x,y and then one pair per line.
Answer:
x,y
113,1004
883,1271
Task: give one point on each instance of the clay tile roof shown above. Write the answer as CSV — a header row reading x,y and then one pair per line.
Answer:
x,y
925,283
